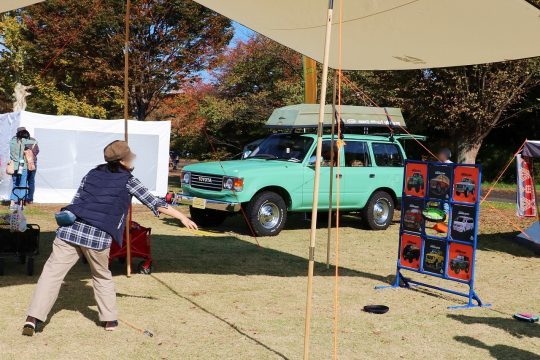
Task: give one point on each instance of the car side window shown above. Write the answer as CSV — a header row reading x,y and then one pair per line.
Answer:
x,y
388,155
326,153
356,154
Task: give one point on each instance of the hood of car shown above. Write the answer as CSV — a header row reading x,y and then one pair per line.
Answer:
x,y
239,168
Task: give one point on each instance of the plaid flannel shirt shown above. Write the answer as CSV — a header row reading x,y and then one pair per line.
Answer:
x,y
86,235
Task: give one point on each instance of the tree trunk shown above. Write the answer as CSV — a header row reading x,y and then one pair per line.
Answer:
x,y
467,152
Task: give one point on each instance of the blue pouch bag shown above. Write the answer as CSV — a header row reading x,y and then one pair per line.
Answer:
x,y
65,218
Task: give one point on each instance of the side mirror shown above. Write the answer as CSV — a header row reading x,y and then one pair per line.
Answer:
x,y
246,154
312,160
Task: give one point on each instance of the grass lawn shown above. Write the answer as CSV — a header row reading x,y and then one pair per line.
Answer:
x,y
225,297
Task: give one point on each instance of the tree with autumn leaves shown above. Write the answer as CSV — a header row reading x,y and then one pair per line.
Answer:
x,y
72,53
248,82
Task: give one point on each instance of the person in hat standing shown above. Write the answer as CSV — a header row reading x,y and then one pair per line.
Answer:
x,y
101,208
18,144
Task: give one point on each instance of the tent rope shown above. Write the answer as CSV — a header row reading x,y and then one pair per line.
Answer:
x,y
96,6
374,103
502,172
214,150
491,207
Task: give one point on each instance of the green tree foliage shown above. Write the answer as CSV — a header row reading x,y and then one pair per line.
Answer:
x,y
72,52
250,81
462,105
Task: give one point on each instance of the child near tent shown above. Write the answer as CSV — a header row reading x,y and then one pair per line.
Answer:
x,y
97,217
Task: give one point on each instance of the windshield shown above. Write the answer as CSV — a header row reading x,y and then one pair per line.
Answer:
x,y
288,147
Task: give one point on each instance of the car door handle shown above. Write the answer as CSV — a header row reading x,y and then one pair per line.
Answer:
x,y
371,176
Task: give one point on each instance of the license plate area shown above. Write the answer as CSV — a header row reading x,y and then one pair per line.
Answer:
x,y
199,203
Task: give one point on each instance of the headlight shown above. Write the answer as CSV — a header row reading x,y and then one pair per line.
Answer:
x,y
186,178
228,183
232,183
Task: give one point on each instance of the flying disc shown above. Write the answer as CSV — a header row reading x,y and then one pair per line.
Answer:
x,y
434,214
376,309
526,317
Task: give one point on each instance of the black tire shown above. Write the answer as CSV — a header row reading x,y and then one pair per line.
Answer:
x,y
1,267
368,212
207,217
466,193
457,271
417,188
273,222
30,266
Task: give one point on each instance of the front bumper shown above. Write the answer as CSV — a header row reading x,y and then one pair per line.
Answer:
x,y
209,203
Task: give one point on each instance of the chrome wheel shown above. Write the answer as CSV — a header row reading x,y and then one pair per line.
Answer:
x,y
381,212
269,215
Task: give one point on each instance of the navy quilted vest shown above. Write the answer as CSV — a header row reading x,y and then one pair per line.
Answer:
x,y
104,201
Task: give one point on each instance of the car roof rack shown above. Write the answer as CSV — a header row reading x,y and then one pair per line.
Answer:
x,y
304,116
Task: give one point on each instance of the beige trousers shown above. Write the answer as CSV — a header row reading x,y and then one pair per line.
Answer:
x,y
62,259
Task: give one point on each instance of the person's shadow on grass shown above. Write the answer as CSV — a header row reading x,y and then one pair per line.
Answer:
x,y
515,328
77,294
499,351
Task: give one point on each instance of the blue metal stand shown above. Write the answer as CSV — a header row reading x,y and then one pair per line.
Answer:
x,y
406,282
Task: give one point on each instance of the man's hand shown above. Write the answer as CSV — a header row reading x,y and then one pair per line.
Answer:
x,y
189,224
178,215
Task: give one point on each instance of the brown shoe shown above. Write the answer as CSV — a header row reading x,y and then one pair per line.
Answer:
x,y
29,327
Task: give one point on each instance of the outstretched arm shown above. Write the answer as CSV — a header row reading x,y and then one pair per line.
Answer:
x,y
157,205
178,215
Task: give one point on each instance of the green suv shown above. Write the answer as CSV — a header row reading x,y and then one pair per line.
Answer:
x,y
277,178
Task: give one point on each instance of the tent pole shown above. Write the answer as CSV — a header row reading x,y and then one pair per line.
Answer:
x,y
331,191
126,116
313,232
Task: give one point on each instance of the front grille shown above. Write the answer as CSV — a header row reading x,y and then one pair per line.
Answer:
x,y
206,181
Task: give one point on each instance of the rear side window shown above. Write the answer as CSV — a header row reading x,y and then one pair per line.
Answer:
x,y
387,155
356,154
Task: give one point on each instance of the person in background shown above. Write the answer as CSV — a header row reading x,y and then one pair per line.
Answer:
x,y
20,142
100,208
34,147
176,161
444,155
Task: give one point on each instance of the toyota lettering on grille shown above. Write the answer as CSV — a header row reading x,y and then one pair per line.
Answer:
x,y
205,179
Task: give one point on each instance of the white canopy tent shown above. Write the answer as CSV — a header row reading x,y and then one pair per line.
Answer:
x,y
8,5
70,146
396,34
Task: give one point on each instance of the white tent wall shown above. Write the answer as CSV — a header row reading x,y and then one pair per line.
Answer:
x,y
70,146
